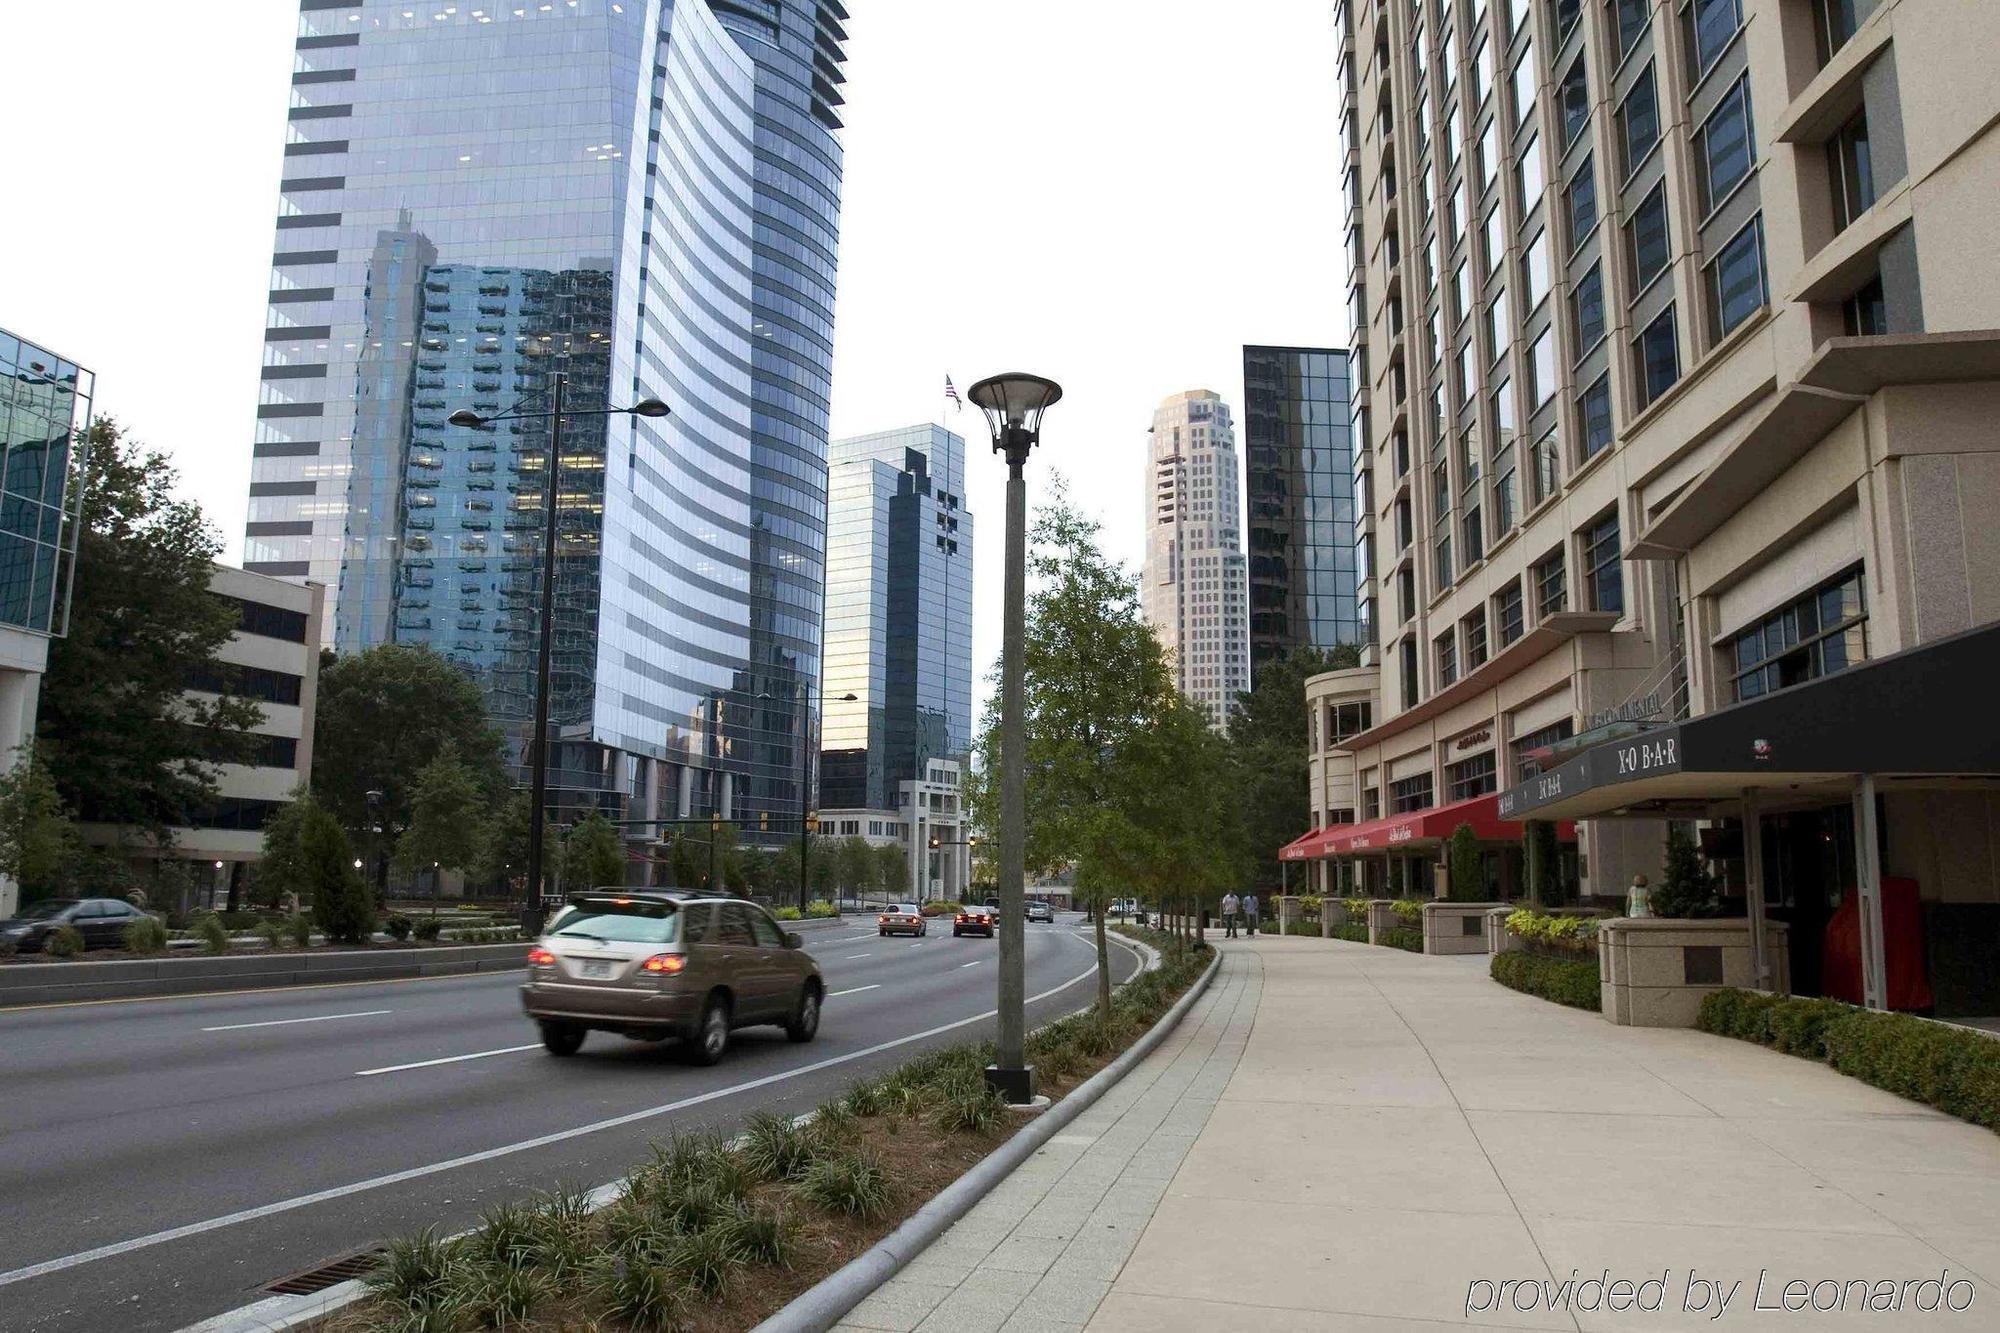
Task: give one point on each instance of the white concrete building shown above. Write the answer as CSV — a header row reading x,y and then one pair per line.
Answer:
x,y
1194,588
932,806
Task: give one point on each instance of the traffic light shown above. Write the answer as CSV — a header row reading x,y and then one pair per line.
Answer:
x,y
763,821
934,842
812,822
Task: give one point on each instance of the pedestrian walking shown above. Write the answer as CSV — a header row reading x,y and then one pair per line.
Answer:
x,y
1250,913
1229,908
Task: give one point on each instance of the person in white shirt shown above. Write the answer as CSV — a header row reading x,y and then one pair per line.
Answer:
x,y
1229,906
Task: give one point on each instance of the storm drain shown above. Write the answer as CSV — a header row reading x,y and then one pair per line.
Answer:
x,y
326,1275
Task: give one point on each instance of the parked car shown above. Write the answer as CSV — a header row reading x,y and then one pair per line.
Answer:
x,y
903,919
653,964
973,921
101,922
1037,910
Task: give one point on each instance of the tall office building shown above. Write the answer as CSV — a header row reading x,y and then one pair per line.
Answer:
x,y
899,615
644,196
1192,588
1674,382
1299,499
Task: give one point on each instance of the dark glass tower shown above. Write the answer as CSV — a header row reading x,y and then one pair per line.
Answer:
x,y
1299,493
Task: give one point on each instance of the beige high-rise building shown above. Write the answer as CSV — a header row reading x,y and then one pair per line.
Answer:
x,y
1194,589
1676,375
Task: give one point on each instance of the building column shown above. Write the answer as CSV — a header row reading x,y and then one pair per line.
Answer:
x,y
1753,891
1868,870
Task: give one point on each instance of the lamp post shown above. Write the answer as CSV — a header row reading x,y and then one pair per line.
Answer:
x,y
537,802
1013,404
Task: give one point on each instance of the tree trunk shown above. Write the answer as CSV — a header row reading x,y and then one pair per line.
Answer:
x,y
1200,927
1103,970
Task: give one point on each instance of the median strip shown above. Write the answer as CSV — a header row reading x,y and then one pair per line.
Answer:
x,y
281,1022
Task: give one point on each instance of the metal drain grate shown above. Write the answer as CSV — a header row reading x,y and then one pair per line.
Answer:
x,y
326,1275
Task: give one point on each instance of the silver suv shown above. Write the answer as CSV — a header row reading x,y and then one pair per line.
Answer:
x,y
653,964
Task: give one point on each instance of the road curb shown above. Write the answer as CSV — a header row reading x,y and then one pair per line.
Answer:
x,y
822,1306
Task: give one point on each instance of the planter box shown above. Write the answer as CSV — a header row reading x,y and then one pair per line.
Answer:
x,y
1332,912
1451,928
1498,940
1656,970
1381,917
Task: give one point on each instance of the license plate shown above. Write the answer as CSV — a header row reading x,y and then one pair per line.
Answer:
x,y
596,969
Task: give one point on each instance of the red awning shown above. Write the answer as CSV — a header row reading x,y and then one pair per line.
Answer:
x,y
1302,847
1424,827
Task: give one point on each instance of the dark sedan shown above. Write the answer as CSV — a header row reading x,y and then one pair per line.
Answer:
x,y
101,922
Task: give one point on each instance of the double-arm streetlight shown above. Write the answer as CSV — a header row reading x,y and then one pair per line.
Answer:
x,y
465,416
1013,404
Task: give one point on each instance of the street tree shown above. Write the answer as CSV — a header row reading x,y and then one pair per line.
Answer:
x,y
123,741
890,876
854,865
445,828
1268,743
342,903
282,867
596,853
39,845
503,844
384,714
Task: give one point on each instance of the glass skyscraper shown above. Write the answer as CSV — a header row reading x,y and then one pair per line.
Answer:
x,y
644,196
899,614
44,399
1298,466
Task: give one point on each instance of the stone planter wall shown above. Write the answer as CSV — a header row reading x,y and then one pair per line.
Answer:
x,y
1656,970
1381,917
1451,928
1498,940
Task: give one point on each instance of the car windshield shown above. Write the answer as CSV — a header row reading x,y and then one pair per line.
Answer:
x,y
625,923
44,910
905,909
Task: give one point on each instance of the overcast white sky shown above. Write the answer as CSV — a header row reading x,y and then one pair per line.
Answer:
x,y
1114,194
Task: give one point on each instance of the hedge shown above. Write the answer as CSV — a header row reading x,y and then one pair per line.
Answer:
x,y
1956,1070
1576,984
1351,931
1396,937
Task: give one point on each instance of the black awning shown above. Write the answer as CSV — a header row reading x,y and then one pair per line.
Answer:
x,y
1933,710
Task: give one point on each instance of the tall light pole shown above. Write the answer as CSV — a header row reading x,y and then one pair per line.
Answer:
x,y
539,768
1013,404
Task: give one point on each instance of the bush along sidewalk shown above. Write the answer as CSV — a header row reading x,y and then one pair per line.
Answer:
x,y
1574,983
1954,1069
710,1236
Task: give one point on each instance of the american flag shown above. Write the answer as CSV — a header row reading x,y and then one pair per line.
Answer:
x,y
957,403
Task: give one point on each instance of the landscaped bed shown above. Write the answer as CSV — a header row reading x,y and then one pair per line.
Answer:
x,y
1557,959
708,1236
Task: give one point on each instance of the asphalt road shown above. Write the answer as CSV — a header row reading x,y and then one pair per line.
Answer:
x,y
165,1160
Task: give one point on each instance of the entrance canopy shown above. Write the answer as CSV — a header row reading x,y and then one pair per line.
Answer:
x,y
1416,829
1924,716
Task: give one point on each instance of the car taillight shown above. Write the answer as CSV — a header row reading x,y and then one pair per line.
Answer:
x,y
541,958
959,919
882,920
664,962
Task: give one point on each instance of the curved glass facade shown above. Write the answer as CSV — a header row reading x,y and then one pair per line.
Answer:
x,y
643,196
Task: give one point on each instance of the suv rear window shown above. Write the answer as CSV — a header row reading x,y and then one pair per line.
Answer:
x,y
628,923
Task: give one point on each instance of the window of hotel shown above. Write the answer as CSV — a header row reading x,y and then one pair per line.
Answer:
x,y
1580,204
1528,182
1542,369
1629,18
1461,294
1710,25
1523,747
1472,630
1646,238
1547,462
1503,410
1524,84
1482,72
1371,803
1434,341
1834,21
1406,590
1659,357
1417,56
1447,659
1441,568
1736,287
1517,15
1451,140
1593,412
1602,575
1726,151
1821,633
1866,313
1496,241
1573,102
1470,777
1489,156
1403,526
1407,658
1506,491
1499,326
1567,13
1850,171
1448,57
1638,121
1586,307
1402,453
1468,374
1461,212
1411,794
1346,720
1473,543
1507,613
1551,585
1535,270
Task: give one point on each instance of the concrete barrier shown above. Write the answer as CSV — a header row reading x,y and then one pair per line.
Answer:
x,y
130,978
1453,928
1656,970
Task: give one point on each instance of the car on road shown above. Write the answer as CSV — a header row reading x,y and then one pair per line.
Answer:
x,y
655,964
1037,910
903,919
973,921
101,922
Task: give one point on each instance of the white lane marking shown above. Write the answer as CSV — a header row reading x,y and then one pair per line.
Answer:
x,y
280,1022
854,990
916,944
974,963
860,955
117,1248
447,1060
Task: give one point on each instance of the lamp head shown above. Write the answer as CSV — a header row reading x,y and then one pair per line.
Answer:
x,y
1013,404
465,416
650,407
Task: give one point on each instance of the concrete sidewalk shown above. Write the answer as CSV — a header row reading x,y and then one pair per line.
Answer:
x,y
1341,1137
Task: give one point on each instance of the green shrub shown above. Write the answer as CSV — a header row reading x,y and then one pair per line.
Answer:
x,y
851,1182
1686,889
1565,934
398,926
1576,984
777,1149
413,1271
762,1235
1400,938
1354,931
1409,910
65,941
299,929
821,908
427,929
787,913
968,1108
1468,865
272,933
642,1295
1356,908
146,935
705,1260
214,936
1798,1027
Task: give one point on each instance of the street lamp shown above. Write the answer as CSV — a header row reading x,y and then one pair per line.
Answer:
x,y
1013,404
464,416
